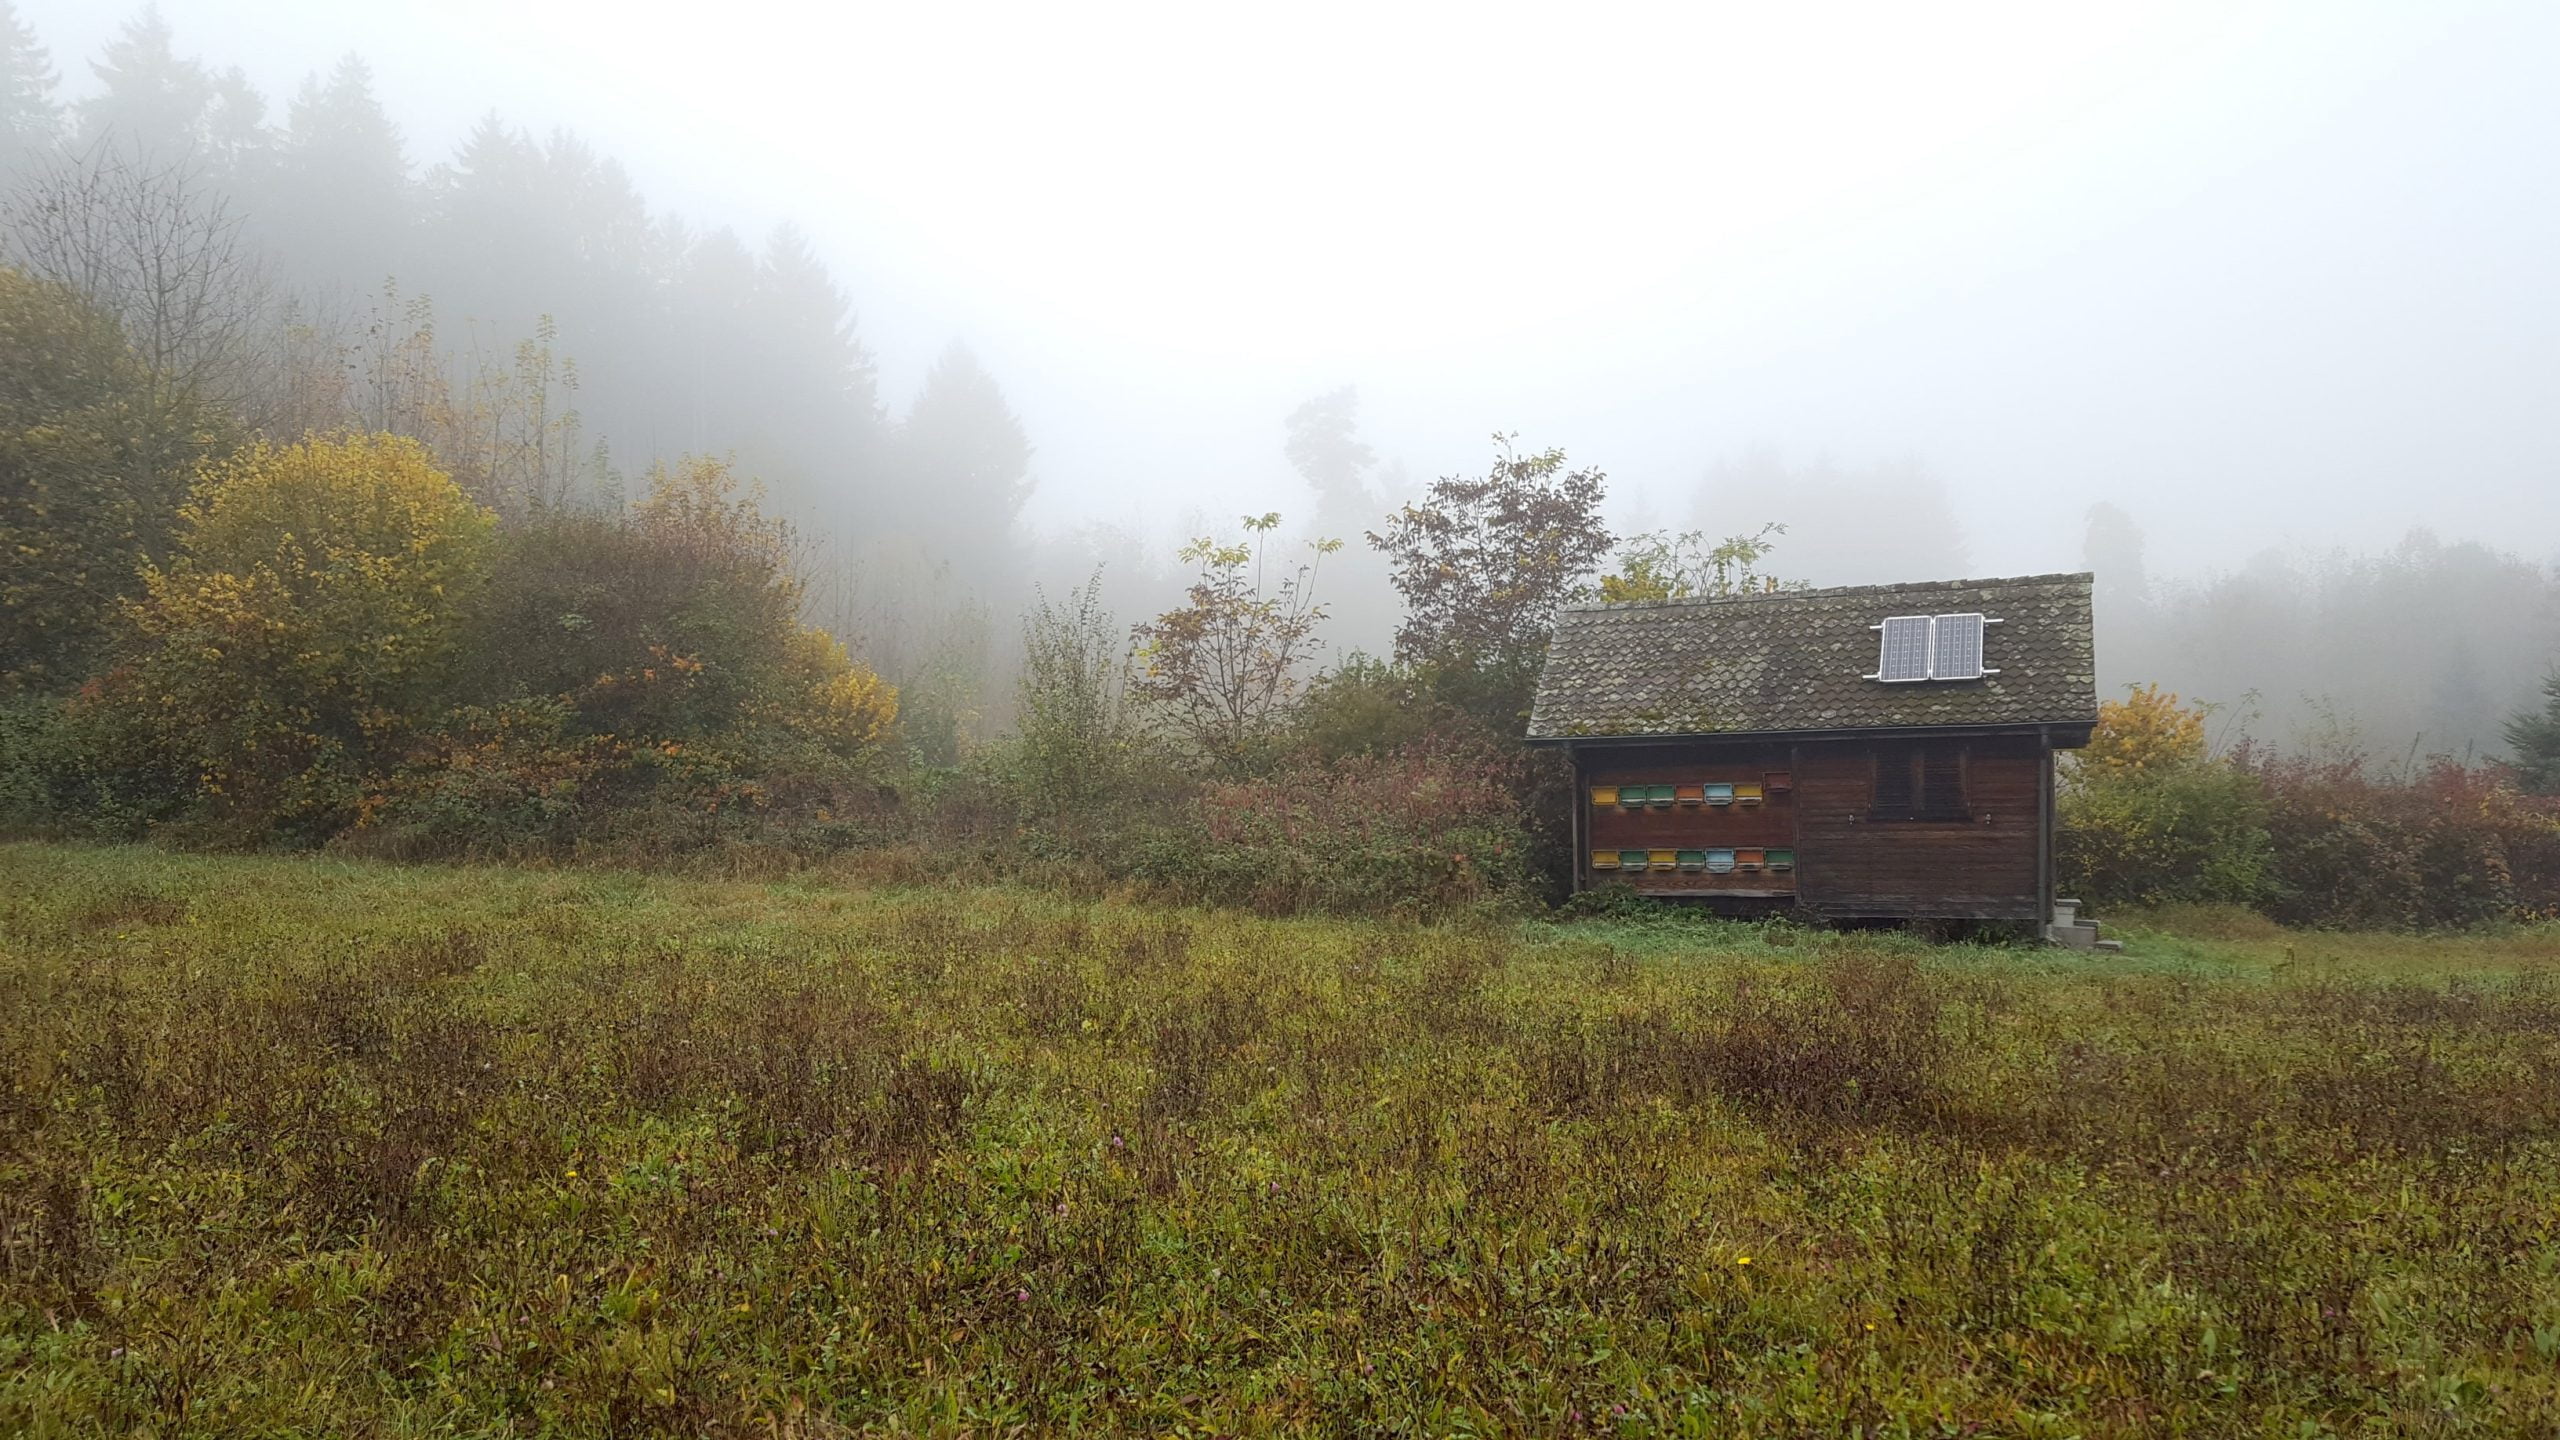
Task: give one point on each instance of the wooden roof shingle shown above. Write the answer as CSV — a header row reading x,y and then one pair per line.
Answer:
x,y
1796,662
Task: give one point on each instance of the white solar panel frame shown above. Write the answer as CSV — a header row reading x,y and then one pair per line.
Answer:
x,y
1904,651
1955,647
1908,649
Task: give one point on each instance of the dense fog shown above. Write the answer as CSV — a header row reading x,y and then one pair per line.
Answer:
x,y
2250,310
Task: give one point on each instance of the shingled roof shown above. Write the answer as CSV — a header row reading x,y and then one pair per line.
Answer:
x,y
1796,661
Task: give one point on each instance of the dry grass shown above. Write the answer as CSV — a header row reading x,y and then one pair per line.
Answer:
x,y
324,1147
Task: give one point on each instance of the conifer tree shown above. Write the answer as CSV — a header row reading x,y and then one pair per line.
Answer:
x,y
962,450
343,205
1325,448
2535,736
237,145
153,102
30,117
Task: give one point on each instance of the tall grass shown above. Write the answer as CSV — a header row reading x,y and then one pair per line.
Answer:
x,y
302,1146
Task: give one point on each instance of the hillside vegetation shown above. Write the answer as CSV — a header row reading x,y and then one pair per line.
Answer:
x,y
294,1145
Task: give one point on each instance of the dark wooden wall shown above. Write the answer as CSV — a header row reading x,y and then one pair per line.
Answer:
x,y
1849,864
1984,867
1691,827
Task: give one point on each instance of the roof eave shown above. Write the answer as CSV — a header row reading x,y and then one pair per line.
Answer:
x,y
2068,734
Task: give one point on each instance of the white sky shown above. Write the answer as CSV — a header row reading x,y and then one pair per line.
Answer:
x,y
2262,274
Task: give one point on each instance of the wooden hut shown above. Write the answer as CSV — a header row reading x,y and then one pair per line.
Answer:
x,y
1870,752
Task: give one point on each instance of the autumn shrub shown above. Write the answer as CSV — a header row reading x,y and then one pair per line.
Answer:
x,y
308,622
2192,832
1428,828
1367,706
41,761
640,684
2440,844
509,779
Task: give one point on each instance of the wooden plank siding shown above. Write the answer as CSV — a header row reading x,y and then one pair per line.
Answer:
x,y
1850,864
1986,866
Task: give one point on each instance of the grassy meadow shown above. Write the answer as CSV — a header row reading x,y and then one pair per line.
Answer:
x,y
299,1146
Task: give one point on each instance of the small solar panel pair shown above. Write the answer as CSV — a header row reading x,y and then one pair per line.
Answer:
x,y
1932,647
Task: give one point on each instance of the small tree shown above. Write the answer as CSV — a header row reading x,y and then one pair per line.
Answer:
x,y
1663,566
2535,734
1223,669
310,619
2148,818
153,243
1073,700
91,477
1483,562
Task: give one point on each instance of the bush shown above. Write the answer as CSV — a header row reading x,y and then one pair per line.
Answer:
x,y
310,619
1077,739
506,780
1426,830
2187,833
1366,706
94,460
40,758
2445,845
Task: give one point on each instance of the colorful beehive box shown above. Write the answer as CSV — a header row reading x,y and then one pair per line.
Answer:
x,y
1604,795
1718,793
1719,862
1661,859
1632,859
1748,860
1693,861
1746,794
1782,860
1692,794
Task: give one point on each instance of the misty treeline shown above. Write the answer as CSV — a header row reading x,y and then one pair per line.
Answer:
x,y
472,509
520,307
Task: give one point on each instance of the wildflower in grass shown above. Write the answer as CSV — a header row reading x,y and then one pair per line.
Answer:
x,y
1021,1295
1742,1260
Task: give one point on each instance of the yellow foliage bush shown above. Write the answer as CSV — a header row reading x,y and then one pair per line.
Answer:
x,y
310,616
846,707
2144,732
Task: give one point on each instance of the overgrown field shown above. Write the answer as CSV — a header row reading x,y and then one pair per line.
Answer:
x,y
302,1146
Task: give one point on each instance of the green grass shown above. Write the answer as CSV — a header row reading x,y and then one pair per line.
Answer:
x,y
296,1146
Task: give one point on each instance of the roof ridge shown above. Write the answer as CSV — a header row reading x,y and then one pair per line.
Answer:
x,y
2059,577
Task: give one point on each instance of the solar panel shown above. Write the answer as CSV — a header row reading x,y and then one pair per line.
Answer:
x,y
1955,652
1906,649
1932,647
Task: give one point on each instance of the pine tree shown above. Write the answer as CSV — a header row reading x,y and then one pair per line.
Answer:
x,y
238,146
962,447
819,400
30,118
344,181
2535,735
153,103
1325,448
